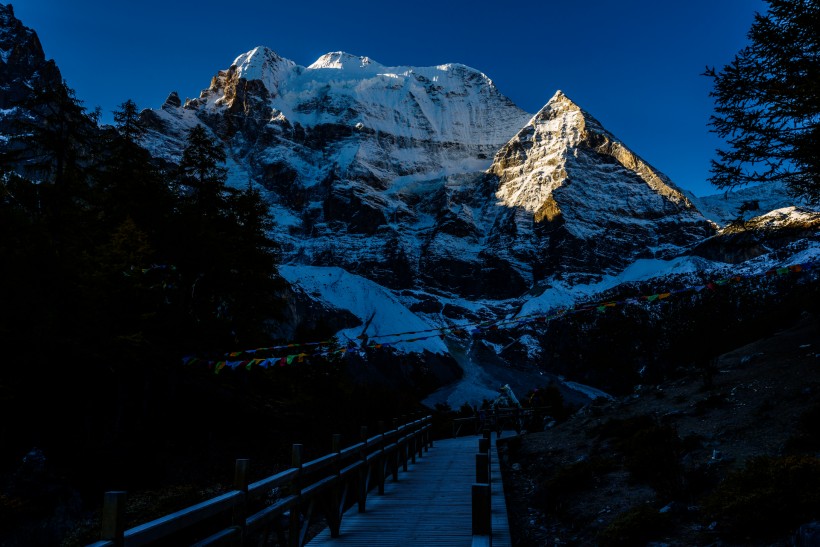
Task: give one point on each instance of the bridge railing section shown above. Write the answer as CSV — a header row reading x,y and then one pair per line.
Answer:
x,y
283,504
503,419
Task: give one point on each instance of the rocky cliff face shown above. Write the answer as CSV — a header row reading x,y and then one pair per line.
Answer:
x,y
42,126
23,64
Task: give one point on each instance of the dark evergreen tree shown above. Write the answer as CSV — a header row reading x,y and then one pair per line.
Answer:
x,y
202,174
767,103
128,122
254,277
226,257
129,183
53,146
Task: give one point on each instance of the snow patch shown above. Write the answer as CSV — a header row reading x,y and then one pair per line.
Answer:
x,y
369,302
590,392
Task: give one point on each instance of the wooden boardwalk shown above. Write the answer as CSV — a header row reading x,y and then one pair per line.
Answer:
x,y
430,504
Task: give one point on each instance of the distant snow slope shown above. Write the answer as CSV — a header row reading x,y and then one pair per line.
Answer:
x,y
375,306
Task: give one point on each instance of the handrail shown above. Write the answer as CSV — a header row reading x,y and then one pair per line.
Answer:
x,y
327,480
498,419
274,481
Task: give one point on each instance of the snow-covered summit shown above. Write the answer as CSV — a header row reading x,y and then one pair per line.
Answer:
x,y
344,61
535,162
448,103
265,65
596,205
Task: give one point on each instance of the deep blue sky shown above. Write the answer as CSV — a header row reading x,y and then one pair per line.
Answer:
x,y
633,64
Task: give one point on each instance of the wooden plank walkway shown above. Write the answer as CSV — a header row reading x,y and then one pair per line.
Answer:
x,y
430,504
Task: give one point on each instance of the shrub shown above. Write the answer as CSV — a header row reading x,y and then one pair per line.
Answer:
x,y
571,479
651,451
712,402
636,526
622,429
653,457
767,497
807,437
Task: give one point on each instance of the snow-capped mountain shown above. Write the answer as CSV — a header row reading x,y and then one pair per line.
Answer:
x,y
593,203
419,177
347,116
420,197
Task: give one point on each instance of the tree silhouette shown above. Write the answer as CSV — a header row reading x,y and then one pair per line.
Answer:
x,y
767,103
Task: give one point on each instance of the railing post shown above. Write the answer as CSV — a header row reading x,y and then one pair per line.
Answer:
x,y
404,443
413,440
429,435
381,472
240,482
335,520
484,446
363,470
113,517
397,453
420,434
482,524
422,431
482,468
295,533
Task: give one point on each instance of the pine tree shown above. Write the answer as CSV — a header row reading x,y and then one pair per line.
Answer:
x,y
129,183
767,103
203,174
128,122
228,261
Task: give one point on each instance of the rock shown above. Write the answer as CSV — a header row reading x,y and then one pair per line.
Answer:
x,y
808,535
173,101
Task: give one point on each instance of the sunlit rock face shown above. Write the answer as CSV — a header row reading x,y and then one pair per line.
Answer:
x,y
428,177
587,199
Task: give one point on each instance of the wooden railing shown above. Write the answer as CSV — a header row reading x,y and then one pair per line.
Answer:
x,y
282,504
500,419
